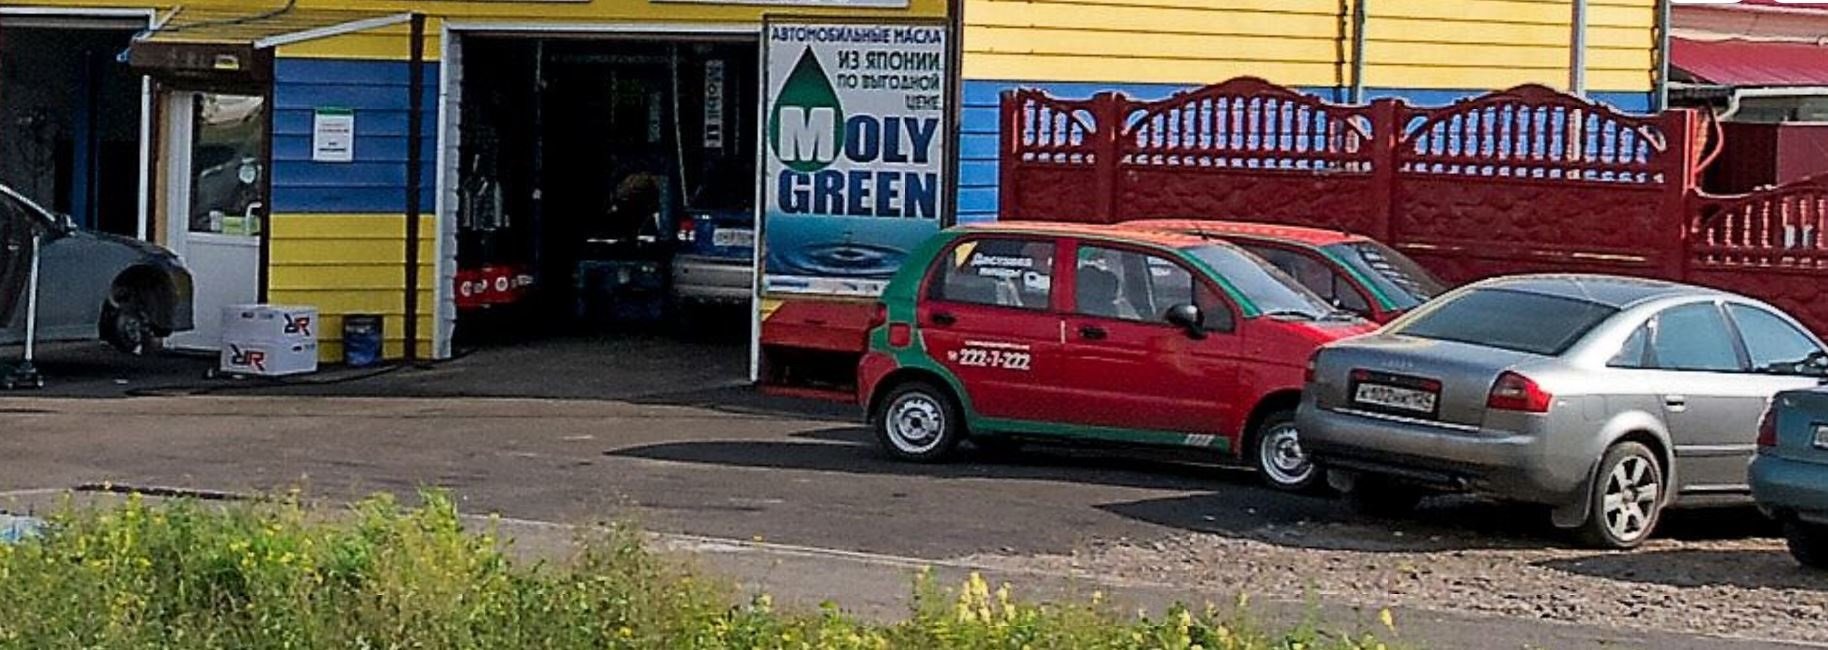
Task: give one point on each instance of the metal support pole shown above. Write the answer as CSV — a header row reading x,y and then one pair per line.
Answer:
x,y
1360,16
31,304
25,375
415,141
1577,50
1661,101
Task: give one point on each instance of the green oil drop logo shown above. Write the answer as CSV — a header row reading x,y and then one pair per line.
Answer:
x,y
806,124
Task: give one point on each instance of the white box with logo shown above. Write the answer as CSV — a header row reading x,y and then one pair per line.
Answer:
x,y
268,340
269,322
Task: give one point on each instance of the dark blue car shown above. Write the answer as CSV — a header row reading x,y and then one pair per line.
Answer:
x,y
1789,476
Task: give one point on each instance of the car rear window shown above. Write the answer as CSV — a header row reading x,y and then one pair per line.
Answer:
x,y
1518,321
1399,278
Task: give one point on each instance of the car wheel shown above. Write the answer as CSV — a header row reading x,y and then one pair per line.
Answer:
x,y
1380,497
127,326
1627,498
1808,544
918,422
1277,454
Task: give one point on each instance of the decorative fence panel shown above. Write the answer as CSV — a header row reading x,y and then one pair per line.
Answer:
x,y
1523,180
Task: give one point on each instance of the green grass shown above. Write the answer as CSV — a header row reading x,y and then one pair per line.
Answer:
x,y
183,574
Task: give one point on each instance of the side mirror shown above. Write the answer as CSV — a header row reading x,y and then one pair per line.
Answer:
x,y
1188,317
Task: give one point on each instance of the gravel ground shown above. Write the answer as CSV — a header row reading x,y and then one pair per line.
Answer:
x,y
1710,573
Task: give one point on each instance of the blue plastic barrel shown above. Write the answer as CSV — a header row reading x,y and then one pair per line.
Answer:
x,y
362,337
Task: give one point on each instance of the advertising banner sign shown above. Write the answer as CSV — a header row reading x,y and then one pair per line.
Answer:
x,y
854,167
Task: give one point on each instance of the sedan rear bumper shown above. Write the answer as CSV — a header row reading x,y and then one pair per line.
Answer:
x,y
713,279
1791,487
1504,464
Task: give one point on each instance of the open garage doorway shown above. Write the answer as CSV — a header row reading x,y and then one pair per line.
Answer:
x,y
71,118
606,188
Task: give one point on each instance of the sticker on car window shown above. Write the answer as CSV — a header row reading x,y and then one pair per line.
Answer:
x,y
992,354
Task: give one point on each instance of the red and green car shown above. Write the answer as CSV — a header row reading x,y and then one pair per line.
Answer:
x,y
1010,331
1352,272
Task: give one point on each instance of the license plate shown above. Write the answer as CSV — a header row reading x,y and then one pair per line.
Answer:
x,y
1821,436
732,237
1408,400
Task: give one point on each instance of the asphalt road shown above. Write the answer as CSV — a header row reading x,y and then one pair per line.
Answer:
x,y
684,453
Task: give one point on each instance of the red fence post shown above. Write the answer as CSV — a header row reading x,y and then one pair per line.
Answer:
x,y
1009,155
1107,130
1682,160
1386,136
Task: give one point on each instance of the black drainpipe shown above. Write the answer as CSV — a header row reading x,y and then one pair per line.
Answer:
x,y
415,141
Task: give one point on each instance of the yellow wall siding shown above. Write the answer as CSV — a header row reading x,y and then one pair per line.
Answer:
x,y
383,44
1498,43
1410,44
1152,41
352,264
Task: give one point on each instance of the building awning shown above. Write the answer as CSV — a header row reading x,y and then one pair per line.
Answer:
x,y
237,43
1750,63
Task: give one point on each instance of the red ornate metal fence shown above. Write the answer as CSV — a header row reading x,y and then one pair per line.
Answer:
x,y
1523,180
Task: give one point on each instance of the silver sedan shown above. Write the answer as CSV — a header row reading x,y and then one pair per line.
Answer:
x,y
1606,398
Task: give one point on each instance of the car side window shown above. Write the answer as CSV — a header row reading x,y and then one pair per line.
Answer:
x,y
1004,272
1128,285
1215,309
1636,351
1694,337
1774,344
1317,276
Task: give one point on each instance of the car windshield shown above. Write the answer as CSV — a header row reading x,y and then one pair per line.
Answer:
x,y
1273,291
1405,283
1509,320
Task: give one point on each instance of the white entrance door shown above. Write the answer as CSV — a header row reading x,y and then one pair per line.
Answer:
x,y
215,181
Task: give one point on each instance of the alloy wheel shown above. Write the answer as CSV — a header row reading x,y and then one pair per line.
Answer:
x,y
1630,501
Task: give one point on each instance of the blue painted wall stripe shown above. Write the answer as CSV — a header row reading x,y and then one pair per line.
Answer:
x,y
376,181
980,125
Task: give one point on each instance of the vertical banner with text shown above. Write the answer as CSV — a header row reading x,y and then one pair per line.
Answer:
x,y
854,148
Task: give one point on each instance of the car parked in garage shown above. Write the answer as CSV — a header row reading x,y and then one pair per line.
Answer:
x,y
1353,272
715,259
1789,477
1607,398
124,291
1023,330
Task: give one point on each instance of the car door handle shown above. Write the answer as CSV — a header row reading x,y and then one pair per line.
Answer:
x,y
1093,332
943,318
1676,402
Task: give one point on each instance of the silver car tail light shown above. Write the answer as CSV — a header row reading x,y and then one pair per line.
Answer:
x,y
1515,392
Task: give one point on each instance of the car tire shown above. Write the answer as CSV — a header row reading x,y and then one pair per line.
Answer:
x,y
1381,497
1808,544
126,325
918,422
1275,452
1626,500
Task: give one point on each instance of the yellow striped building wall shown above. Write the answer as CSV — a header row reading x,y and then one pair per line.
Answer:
x,y
1429,52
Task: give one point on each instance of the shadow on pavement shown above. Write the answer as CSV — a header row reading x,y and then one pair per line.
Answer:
x,y
1444,523
852,450
1748,569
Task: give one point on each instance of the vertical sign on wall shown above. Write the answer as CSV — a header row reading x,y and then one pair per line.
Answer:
x,y
714,104
333,135
854,150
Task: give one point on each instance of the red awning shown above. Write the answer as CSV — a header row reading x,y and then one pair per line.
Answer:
x,y
1751,63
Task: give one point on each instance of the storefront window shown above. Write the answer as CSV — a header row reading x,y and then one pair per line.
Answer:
x,y
228,153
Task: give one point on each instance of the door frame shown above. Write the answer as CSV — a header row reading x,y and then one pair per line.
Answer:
x,y
449,138
77,17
